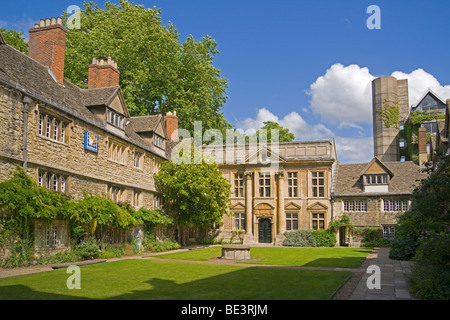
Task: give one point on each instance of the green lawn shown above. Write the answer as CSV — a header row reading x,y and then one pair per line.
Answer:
x,y
308,257
162,280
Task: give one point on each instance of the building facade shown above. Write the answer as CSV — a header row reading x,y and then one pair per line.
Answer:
x,y
373,194
396,123
74,140
275,189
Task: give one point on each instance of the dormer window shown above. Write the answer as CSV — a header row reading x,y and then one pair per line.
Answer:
x,y
158,141
114,118
376,179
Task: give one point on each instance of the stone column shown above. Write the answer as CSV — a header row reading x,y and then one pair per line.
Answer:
x,y
248,238
281,216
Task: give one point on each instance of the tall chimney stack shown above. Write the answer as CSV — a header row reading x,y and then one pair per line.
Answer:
x,y
47,45
422,137
103,73
171,124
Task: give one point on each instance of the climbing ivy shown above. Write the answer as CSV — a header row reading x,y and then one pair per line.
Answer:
x,y
390,113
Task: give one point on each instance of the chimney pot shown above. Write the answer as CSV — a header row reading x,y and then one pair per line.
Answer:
x,y
103,73
48,45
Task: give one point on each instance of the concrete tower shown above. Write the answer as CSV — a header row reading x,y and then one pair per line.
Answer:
x,y
388,90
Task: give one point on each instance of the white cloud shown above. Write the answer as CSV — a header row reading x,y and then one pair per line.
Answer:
x,y
419,81
354,150
293,121
343,95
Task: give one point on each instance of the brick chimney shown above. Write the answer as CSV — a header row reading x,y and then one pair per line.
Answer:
x,y
171,123
103,73
47,45
422,137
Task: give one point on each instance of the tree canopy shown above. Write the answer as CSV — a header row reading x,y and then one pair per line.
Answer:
x,y
284,135
158,72
197,194
15,39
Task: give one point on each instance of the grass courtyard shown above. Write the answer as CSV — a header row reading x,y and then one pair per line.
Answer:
x,y
137,279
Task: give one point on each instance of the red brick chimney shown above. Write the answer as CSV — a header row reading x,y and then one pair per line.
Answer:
x,y
103,74
171,123
422,136
47,45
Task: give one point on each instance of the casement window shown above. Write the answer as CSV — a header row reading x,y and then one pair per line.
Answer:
x,y
40,179
116,194
48,127
291,221
389,232
52,128
157,202
116,153
318,221
114,118
138,157
51,235
292,185
264,184
239,185
52,181
137,199
355,205
395,205
156,166
318,184
239,221
376,179
41,125
158,141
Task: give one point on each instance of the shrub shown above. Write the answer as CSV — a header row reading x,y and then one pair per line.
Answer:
x,y
323,238
87,250
299,238
310,238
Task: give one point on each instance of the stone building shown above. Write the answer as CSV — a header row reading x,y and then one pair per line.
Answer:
x,y
373,194
396,134
275,188
74,140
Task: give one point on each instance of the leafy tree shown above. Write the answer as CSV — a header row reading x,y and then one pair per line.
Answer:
x,y
158,72
15,39
423,234
197,193
284,135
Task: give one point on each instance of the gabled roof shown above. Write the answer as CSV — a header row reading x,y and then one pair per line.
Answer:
x,y
348,180
23,73
431,93
274,157
376,166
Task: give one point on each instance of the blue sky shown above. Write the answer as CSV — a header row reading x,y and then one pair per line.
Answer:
x,y
306,64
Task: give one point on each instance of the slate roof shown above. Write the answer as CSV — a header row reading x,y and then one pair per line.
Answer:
x,y
145,123
348,178
23,73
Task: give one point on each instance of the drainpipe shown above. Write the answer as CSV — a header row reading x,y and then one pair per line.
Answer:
x,y
26,107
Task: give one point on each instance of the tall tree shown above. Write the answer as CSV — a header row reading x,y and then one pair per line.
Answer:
x,y
158,72
196,191
284,135
15,39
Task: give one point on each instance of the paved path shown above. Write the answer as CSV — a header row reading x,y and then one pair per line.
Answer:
x,y
393,279
393,276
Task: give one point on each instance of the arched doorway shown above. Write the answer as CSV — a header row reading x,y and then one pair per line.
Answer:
x,y
264,231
